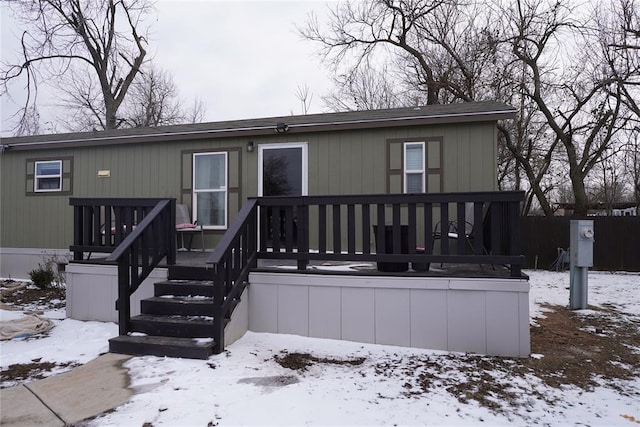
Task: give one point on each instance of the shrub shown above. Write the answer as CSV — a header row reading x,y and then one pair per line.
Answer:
x,y
43,276
49,271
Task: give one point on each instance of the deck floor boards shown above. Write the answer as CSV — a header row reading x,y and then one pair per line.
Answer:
x,y
198,258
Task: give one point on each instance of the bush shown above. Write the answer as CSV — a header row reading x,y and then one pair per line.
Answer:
x,y
49,271
43,276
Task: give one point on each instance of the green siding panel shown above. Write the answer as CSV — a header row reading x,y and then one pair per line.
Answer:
x,y
346,162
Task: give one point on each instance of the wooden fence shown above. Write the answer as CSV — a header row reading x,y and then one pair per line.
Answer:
x,y
616,246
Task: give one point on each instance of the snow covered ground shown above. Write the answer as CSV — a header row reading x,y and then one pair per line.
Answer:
x,y
345,383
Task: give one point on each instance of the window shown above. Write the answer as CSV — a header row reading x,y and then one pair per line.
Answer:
x,y
48,176
414,167
210,189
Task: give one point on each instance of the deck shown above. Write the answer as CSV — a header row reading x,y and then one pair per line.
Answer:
x,y
198,259
365,258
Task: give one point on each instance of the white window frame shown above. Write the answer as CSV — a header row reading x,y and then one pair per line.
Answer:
x,y
406,171
37,178
305,163
222,189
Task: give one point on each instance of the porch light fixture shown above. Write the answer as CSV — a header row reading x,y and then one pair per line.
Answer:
x,y
281,127
250,146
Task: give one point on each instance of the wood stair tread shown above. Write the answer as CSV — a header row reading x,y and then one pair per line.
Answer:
x,y
181,299
185,282
161,340
202,320
190,348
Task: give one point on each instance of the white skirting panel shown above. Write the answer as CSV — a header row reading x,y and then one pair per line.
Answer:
x,y
16,263
484,316
239,322
92,291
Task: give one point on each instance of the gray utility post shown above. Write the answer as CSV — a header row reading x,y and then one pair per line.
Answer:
x,y
581,254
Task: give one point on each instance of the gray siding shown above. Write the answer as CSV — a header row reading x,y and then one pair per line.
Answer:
x,y
483,316
345,162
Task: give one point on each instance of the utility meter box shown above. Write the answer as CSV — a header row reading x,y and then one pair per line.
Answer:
x,y
581,241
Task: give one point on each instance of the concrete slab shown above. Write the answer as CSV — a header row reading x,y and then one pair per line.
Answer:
x,y
68,398
87,390
20,407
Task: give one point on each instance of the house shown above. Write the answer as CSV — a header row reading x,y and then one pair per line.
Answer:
x,y
444,156
600,209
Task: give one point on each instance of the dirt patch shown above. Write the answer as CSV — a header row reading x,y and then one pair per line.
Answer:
x,y
585,349
33,298
301,361
569,348
19,373
27,297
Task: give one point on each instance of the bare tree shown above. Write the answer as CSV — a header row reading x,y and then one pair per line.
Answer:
x,y
362,31
100,45
365,89
573,98
30,124
618,25
619,30
607,185
631,153
443,51
196,112
531,54
305,98
153,100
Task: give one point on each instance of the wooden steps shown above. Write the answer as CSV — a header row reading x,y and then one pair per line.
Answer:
x,y
176,322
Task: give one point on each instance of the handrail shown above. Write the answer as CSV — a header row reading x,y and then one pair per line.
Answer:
x,y
101,224
468,196
140,252
344,232
232,259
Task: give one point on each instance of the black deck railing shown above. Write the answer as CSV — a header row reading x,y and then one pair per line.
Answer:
x,y
418,228
101,224
141,234
485,227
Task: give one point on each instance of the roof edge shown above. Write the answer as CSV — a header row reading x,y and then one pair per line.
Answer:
x,y
316,126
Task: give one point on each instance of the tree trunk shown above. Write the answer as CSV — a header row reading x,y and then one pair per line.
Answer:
x,y
579,193
534,181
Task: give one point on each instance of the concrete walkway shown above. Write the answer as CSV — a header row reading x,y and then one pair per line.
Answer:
x,y
68,398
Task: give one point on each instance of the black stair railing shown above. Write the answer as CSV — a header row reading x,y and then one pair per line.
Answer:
x,y
152,239
232,260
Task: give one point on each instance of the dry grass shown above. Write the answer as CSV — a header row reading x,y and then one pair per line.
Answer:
x,y
579,350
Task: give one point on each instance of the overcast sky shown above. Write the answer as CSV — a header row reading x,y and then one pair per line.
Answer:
x,y
244,59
